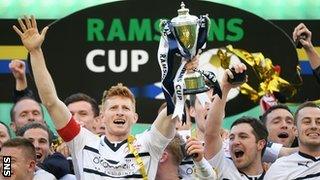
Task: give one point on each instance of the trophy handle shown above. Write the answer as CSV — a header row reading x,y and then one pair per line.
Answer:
x,y
162,24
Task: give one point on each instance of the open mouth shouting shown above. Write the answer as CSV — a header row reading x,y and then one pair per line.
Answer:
x,y
39,156
119,121
283,135
238,153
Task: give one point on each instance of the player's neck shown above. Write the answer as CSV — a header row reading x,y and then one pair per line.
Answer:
x,y
29,176
116,138
199,134
167,172
255,168
313,151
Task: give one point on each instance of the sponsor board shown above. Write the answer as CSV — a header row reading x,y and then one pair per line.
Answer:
x,y
95,48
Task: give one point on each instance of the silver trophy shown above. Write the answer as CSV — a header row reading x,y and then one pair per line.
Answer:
x,y
184,35
186,30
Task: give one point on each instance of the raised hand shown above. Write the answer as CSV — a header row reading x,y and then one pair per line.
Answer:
x,y
239,68
18,69
195,148
29,35
312,54
193,63
298,31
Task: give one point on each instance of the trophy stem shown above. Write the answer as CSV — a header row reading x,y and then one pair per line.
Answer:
x,y
194,83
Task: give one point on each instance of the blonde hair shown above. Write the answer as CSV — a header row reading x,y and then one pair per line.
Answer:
x,y
174,147
118,90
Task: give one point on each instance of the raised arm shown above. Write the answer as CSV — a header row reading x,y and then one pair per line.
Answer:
x,y
165,124
307,44
32,40
213,140
18,70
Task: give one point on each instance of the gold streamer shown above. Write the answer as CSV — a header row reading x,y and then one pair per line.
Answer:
x,y
268,75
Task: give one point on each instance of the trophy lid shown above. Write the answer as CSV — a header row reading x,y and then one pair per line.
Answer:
x,y
184,18
183,10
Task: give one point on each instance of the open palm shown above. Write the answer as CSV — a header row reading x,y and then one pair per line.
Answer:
x,y
29,35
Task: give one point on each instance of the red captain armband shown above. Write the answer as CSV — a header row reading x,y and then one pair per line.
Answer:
x,y
70,131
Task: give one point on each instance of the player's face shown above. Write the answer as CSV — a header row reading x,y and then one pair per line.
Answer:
x,y
21,167
27,111
82,113
243,147
118,116
200,112
280,126
40,140
308,123
4,134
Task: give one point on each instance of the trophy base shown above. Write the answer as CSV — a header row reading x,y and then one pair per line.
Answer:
x,y
195,91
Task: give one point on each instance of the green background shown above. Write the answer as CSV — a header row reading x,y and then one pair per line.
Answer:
x,y
268,9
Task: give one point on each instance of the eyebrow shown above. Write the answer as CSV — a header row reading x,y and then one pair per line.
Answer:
x,y
23,112
277,117
306,118
243,133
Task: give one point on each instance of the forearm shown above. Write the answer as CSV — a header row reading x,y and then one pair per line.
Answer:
x,y
216,113
43,79
213,141
204,170
313,56
58,111
165,124
21,84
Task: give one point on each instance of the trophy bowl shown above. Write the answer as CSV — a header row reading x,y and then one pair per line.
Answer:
x,y
186,30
